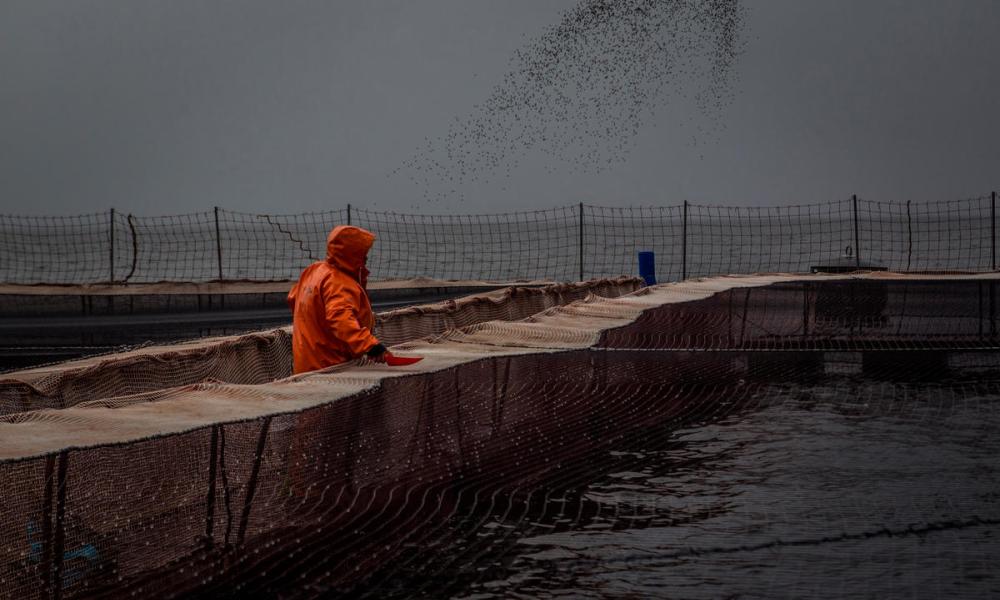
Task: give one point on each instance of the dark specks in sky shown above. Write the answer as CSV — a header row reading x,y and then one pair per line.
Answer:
x,y
580,93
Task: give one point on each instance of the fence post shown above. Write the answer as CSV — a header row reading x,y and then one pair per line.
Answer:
x,y
581,241
111,246
993,226
348,214
218,242
909,237
857,250
684,243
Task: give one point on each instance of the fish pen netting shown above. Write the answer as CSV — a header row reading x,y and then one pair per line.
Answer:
x,y
265,356
484,469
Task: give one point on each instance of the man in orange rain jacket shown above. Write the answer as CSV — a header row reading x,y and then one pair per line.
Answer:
x,y
332,315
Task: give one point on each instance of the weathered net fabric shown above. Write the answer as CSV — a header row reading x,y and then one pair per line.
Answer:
x,y
266,356
365,480
802,315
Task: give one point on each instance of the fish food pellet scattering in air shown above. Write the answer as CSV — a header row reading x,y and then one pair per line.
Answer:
x,y
580,93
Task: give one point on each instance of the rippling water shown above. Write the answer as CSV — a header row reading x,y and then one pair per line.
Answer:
x,y
848,488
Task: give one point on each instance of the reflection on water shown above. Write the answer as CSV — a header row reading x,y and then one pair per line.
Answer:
x,y
844,488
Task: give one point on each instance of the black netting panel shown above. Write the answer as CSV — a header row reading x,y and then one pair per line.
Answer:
x,y
613,237
265,247
788,239
955,235
568,243
528,245
174,248
64,250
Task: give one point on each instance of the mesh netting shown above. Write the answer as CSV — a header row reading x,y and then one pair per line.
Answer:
x,y
833,315
262,357
601,447
273,247
943,236
530,245
76,249
567,243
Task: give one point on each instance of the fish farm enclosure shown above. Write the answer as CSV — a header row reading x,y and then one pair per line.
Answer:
x,y
794,401
768,436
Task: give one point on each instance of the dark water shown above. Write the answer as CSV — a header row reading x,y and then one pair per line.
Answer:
x,y
847,487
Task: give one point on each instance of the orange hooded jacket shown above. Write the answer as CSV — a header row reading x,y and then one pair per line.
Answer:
x,y
332,315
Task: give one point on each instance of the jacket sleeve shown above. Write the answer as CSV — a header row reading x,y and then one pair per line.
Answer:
x,y
342,315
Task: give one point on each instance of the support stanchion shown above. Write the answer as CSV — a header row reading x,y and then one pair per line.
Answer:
x,y
857,249
581,241
111,246
909,237
218,242
993,227
684,243
348,214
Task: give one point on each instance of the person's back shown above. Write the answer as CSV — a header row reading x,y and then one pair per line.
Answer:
x,y
333,320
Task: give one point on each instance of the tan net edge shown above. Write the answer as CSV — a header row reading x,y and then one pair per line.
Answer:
x,y
575,325
265,356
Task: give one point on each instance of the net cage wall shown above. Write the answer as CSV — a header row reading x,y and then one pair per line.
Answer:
x,y
562,244
264,356
437,479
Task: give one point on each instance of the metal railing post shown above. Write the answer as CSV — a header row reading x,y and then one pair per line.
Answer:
x,y
111,246
348,214
993,227
857,249
581,241
909,236
218,242
684,243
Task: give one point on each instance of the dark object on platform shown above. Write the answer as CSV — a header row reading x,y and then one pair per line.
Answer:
x,y
647,267
846,264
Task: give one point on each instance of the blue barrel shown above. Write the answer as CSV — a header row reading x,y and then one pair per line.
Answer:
x,y
647,267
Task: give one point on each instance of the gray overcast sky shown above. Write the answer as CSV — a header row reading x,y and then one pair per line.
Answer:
x,y
176,106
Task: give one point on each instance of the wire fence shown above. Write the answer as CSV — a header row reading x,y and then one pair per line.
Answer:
x,y
566,243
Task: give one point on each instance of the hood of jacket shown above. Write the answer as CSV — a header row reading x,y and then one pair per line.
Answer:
x,y
347,247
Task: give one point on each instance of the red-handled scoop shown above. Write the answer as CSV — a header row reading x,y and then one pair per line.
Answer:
x,y
401,361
